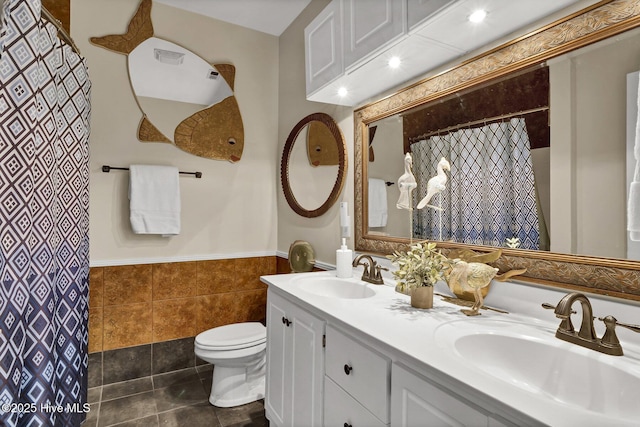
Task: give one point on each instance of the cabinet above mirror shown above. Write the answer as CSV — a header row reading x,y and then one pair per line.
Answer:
x,y
356,49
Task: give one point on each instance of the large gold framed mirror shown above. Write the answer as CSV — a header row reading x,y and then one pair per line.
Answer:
x,y
314,165
571,48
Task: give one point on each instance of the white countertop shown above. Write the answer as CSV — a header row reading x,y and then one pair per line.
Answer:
x,y
415,338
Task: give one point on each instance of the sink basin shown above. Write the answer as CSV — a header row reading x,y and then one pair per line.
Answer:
x,y
533,360
333,287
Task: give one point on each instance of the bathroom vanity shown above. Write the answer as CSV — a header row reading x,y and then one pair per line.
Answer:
x,y
347,353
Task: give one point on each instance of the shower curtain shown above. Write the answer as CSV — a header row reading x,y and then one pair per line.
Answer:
x,y
490,195
44,244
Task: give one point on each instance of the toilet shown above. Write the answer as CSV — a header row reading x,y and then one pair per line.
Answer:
x,y
237,352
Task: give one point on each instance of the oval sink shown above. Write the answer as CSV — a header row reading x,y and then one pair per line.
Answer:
x,y
535,361
333,287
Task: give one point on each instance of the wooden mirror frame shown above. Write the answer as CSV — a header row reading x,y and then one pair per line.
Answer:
x,y
328,121
613,277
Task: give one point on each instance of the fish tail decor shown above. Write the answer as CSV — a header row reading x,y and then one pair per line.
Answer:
x,y
147,132
228,72
213,128
140,29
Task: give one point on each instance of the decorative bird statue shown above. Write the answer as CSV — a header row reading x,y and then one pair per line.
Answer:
x,y
469,273
473,276
406,184
436,184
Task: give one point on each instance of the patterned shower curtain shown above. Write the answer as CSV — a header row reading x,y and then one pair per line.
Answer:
x,y
44,221
490,195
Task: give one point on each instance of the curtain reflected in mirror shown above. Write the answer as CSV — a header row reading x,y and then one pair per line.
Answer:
x,y
490,197
497,192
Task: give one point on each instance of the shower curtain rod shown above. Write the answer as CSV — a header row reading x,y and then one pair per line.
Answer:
x,y
61,31
107,169
476,122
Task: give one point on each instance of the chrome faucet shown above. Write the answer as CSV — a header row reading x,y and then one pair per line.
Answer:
x,y
372,271
586,337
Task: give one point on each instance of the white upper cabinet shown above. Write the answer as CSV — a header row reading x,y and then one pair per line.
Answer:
x,y
419,10
349,45
323,47
369,26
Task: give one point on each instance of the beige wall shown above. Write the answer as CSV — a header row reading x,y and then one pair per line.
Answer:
x,y
588,148
388,165
323,233
232,209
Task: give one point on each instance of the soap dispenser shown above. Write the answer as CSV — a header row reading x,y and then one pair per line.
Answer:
x,y
344,258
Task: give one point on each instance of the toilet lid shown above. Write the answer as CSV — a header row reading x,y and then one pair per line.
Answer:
x,y
237,335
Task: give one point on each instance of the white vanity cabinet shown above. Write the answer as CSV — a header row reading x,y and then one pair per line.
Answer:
x,y
357,382
417,401
295,364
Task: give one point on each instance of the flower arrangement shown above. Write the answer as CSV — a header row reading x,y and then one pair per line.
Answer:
x,y
422,265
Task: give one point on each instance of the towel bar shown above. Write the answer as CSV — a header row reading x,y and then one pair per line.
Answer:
x,y
108,169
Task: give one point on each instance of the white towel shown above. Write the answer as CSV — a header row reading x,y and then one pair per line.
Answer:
x,y
377,203
154,199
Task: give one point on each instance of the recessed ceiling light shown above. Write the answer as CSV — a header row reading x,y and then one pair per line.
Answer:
x,y
394,62
342,91
478,16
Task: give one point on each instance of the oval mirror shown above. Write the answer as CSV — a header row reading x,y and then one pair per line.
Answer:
x,y
314,164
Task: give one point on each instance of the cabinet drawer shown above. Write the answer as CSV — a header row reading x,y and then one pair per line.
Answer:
x,y
360,371
340,409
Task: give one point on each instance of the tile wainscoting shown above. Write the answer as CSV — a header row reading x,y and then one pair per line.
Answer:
x,y
143,318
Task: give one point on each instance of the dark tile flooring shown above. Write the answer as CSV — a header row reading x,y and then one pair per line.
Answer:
x,y
174,399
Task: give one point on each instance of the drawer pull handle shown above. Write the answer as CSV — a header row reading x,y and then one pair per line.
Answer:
x,y
347,425
347,369
286,321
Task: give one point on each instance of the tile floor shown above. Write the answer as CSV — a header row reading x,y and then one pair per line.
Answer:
x,y
174,399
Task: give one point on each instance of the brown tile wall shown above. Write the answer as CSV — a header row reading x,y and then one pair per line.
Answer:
x,y
148,303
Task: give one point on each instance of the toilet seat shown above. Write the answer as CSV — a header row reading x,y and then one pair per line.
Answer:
x,y
232,337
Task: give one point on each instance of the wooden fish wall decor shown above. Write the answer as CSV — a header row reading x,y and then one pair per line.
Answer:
x,y
322,149
210,125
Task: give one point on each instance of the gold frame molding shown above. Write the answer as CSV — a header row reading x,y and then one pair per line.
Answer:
x,y
328,121
613,277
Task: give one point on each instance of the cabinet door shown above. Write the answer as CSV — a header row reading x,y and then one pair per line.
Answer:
x,y
323,48
306,368
277,395
421,10
295,365
371,25
416,401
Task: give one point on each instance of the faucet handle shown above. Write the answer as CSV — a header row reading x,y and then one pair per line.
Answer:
x,y
553,307
612,320
378,269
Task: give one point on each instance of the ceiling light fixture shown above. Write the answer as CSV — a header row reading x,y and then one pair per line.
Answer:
x,y
342,91
478,16
394,62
